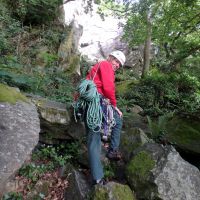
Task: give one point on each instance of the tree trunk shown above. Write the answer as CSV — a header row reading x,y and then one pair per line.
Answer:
x,y
147,48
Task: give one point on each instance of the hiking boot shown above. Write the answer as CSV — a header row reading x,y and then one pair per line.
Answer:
x,y
114,155
100,182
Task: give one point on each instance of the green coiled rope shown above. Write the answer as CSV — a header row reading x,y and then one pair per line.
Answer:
x,y
89,99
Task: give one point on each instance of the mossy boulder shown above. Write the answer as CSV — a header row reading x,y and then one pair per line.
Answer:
x,y
131,139
159,172
185,134
113,191
19,133
138,169
57,121
134,120
11,95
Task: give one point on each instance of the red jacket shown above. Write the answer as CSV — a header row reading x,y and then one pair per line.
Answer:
x,y
104,80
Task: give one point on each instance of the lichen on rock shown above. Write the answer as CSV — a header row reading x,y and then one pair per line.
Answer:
x,y
11,95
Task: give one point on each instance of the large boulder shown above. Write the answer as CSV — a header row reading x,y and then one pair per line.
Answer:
x,y
19,132
158,172
57,121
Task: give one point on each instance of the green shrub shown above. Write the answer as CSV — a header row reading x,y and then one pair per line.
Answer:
x,y
33,171
159,93
34,11
59,155
158,127
9,28
109,171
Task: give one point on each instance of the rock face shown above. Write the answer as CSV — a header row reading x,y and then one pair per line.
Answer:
x,y
19,134
99,37
157,172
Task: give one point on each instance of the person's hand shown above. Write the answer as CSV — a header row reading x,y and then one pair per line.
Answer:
x,y
119,111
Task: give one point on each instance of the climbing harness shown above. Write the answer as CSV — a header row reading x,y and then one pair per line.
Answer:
x,y
89,100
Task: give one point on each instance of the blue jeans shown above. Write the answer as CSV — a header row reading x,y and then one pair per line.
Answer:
x,y
94,146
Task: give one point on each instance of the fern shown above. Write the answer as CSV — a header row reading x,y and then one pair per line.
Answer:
x,y
158,128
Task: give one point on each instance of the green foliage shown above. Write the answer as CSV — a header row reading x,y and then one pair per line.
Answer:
x,y
52,36
172,25
34,11
126,74
48,82
158,127
33,171
124,104
47,158
12,196
59,155
9,29
19,68
109,171
160,92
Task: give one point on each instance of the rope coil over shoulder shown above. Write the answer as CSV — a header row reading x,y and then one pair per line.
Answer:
x,y
89,98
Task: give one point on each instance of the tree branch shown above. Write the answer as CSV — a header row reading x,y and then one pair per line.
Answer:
x,y
66,1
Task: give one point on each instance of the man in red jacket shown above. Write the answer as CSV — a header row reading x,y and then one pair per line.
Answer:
x,y
104,79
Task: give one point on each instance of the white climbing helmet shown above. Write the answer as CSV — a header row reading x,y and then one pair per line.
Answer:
x,y
119,55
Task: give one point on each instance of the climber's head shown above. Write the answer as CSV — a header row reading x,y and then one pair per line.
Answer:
x,y
117,59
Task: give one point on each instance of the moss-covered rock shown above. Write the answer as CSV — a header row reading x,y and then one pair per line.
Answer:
x,y
10,95
122,192
112,191
138,174
185,133
130,140
100,194
140,166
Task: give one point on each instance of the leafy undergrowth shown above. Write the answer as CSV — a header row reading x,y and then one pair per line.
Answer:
x,y
45,175
42,176
54,190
